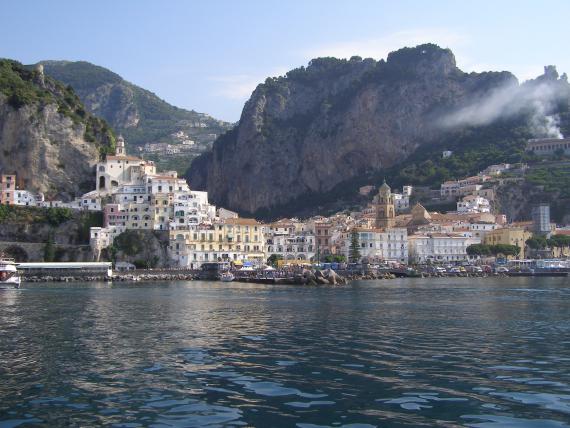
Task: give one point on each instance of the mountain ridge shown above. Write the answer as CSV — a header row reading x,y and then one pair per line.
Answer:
x,y
317,127
139,114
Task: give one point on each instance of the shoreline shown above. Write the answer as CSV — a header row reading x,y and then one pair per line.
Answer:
x,y
311,279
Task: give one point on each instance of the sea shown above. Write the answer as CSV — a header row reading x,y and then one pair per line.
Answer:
x,y
446,352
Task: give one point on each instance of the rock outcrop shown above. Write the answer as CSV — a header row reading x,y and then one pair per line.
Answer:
x,y
325,124
46,136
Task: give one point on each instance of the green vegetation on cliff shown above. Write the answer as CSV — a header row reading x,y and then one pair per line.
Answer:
x,y
25,215
140,115
23,86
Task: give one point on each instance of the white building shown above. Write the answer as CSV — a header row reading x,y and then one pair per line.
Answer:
x,y
26,198
407,190
440,247
401,202
294,246
473,204
478,230
378,245
121,169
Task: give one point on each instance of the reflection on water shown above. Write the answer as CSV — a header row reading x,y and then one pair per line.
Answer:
x,y
450,352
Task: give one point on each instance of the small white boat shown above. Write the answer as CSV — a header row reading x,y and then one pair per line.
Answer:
x,y
9,276
227,277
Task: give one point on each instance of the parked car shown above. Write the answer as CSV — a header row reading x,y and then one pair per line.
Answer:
x,y
501,269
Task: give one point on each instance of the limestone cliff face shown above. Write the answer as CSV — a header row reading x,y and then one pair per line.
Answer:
x,y
46,136
336,119
113,102
45,149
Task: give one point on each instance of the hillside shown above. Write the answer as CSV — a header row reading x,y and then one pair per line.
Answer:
x,y
141,116
47,137
307,140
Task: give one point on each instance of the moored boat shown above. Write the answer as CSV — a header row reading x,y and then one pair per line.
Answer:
x,y
9,276
227,277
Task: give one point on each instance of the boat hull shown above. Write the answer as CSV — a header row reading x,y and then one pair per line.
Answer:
x,y
10,283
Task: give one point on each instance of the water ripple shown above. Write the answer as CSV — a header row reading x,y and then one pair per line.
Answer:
x,y
403,353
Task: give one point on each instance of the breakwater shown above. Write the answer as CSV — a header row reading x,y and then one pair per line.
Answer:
x,y
297,277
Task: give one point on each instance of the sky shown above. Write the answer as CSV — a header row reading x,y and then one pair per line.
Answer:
x,y
210,55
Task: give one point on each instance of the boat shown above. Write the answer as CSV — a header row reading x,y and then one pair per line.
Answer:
x,y
227,277
9,276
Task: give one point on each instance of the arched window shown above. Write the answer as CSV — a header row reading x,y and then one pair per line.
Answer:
x,y
101,168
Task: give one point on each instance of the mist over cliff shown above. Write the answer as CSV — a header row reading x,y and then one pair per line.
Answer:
x,y
317,127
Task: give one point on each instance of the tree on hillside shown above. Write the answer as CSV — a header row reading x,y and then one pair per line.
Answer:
x,y
354,249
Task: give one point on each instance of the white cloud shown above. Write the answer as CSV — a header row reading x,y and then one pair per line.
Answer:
x,y
380,47
240,86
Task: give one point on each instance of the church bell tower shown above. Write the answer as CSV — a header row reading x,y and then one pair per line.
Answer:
x,y
385,212
120,149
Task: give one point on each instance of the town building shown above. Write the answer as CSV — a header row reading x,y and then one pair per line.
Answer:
x,y
324,238
236,240
295,247
473,204
401,202
7,188
548,146
510,236
440,247
385,210
121,169
378,245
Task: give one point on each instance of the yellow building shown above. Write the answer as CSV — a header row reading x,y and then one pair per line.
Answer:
x,y
7,188
162,210
236,240
509,236
139,216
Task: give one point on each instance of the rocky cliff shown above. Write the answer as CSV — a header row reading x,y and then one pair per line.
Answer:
x,y
323,125
46,136
138,114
